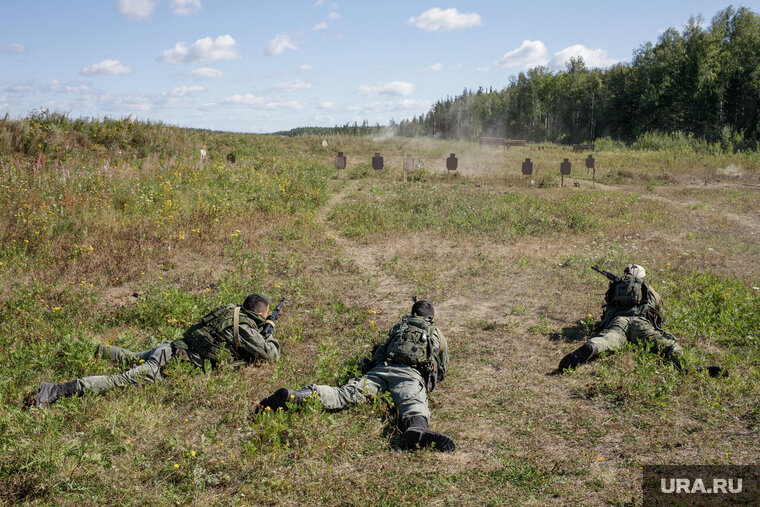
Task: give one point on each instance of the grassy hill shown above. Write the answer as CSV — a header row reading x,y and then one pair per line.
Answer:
x,y
117,232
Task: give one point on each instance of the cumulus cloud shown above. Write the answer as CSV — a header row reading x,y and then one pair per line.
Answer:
x,y
591,57
139,10
321,26
280,104
186,7
306,67
73,88
436,19
334,16
13,48
392,88
293,86
18,89
184,91
206,73
531,53
247,99
435,67
205,50
106,68
279,44
328,105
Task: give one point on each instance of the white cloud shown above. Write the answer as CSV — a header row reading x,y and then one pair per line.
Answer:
x,y
279,104
140,10
393,88
319,2
279,44
531,53
328,106
334,16
184,91
292,86
206,73
435,67
18,89
591,57
247,99
436,19
13,48
71,87
106,68
485,68
306,67
186,7
321,26
205,50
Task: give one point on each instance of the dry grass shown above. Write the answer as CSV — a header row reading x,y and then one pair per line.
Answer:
x,y
510,304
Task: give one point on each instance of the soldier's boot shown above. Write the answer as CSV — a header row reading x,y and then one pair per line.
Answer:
x,y
282,396
50,393
578,356
419,434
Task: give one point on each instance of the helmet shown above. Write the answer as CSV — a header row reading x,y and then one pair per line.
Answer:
x,y
635,270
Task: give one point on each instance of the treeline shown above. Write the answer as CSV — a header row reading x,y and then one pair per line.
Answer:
x,y
703,82
357,129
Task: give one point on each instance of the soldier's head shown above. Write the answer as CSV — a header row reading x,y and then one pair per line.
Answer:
x,y
423,308
635,270
257,303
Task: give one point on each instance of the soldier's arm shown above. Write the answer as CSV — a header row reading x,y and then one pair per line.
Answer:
x,y
443,354
253,345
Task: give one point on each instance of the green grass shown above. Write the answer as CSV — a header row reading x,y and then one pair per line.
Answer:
x,y
128,209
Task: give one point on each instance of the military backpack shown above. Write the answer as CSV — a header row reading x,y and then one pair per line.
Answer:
x,y
625,292
207,337
410,342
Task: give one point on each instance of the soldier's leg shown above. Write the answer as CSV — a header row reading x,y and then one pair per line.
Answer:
x,y
659,340
407,387
147,372
612,337
355,391
120,355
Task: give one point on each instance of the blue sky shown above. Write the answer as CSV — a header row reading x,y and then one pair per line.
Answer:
x,y
254,66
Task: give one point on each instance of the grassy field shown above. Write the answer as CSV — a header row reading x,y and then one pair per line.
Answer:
x,y
115,232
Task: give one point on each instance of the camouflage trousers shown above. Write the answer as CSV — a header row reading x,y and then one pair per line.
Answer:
x,y
638,330
146,367
405,384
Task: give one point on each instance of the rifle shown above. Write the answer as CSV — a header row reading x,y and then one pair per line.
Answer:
x,y
610,276
269,328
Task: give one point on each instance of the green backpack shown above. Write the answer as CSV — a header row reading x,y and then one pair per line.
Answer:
x,y
207,336
625,292
410,341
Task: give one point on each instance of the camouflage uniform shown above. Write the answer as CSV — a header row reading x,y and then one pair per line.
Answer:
x,y
407,384
212,338
638,324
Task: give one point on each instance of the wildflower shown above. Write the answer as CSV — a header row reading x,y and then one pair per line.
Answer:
x,y
590,316
176,465
192,453
57,308
600,458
